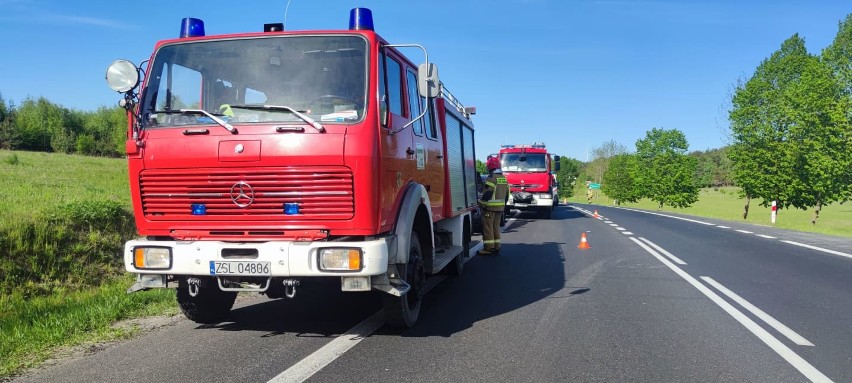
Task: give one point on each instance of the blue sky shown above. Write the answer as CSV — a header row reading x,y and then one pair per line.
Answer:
x,y
571,73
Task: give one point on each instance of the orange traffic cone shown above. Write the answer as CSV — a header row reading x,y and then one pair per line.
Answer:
x,y
583,243
596,213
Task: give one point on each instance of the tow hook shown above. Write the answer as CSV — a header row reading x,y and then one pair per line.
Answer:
x,y
290,287
193,284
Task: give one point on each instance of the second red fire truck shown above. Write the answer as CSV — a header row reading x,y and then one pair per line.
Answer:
x,y
530,169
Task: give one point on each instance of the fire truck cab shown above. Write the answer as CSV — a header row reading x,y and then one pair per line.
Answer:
x,y
264,161
529,169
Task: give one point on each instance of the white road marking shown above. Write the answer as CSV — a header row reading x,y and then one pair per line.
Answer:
x,y
723,227
613,224
626,233
819,249
668,216
789,333
310,365
745,231
607,221
619,228
765,236
800,364
666,253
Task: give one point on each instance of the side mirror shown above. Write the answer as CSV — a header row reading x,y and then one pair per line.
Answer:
x,y
427,81
556,162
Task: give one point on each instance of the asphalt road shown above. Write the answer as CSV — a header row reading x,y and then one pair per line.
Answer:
x,y
655,299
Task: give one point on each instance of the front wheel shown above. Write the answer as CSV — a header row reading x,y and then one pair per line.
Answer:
x,y
209,305
403,311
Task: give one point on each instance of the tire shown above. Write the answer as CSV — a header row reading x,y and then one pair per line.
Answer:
x,y
457,266
402,312
211,305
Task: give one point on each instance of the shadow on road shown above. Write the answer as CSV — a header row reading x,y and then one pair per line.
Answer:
x,y
490,286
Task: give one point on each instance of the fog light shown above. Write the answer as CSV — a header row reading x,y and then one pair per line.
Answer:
x,y
152,257
332,259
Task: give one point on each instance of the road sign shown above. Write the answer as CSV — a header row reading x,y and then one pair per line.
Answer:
x,y
594,186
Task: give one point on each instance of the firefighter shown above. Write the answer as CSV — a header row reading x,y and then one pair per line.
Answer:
x,y
495,193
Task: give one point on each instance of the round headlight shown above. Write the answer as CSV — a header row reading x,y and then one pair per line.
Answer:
x,y
122,76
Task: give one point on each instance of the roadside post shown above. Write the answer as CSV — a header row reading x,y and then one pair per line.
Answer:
x,y
774,208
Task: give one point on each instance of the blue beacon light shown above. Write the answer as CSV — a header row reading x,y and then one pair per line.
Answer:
x,y
191,27
360,19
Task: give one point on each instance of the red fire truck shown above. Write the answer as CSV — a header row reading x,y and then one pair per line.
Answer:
x,y
529,170
264,161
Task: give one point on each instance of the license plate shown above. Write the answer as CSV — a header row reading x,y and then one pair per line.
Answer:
x,y
240,268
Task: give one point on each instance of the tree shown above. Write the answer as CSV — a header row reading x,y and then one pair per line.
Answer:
x,y
8,132
666,174
601,157
619,179
838,55
791,126
569,170
760,127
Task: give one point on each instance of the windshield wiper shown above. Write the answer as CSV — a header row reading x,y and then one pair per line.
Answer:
x,y
215,119
310,121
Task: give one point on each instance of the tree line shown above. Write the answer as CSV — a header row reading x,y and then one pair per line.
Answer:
x,y
40,125
791,139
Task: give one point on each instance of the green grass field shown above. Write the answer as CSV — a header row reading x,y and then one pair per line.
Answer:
x,y
33,182
725,203
63,221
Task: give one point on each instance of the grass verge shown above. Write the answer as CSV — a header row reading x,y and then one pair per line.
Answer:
x,y
34,329
726,204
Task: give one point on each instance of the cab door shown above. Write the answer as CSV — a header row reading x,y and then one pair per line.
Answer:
x,y
428,145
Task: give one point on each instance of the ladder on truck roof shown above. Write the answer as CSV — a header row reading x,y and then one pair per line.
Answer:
x,y
466,111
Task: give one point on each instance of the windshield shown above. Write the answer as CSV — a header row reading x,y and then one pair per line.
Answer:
x,y
522,162
322,77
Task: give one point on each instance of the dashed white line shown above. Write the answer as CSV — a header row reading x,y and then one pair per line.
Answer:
x,y
619,228
819,249
786,331
765,236
799,363
626,233
723,227
745,231
607,221
666,253
613,224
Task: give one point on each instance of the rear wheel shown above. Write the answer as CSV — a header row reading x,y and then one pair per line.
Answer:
x,y
403,311
209,305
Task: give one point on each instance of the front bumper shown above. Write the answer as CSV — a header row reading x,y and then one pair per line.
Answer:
x,y
536,202
286,258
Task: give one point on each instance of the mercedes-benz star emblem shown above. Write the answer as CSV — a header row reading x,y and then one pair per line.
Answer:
x,y
242,194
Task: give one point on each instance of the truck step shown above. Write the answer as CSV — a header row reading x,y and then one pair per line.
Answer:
x,y
443,257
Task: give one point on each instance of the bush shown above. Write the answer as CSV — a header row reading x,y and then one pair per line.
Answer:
x,y
77,244
12,160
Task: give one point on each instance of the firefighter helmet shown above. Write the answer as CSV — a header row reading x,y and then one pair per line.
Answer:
x,y
492,163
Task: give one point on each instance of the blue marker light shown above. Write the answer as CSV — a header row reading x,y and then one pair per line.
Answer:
x,y
199,209
191,27
291,208
360,19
